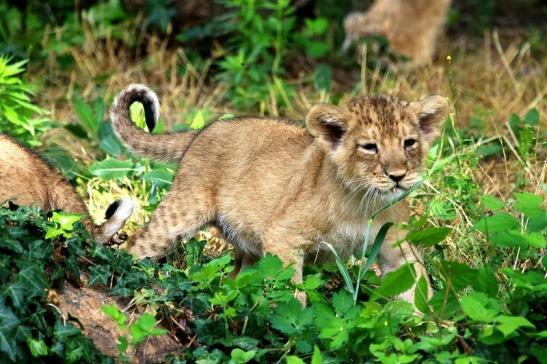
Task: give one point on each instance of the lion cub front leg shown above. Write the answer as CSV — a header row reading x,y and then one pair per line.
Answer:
x,y
290,254
392,258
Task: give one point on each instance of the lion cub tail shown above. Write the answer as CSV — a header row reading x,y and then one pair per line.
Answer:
x,y
165,147
116,215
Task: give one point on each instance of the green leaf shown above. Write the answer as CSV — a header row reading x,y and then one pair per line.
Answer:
x,y
37,347
86,116
114,313
473,306
198,122
509,324
500,221
241,357
312,282
112,168
316,357
492,203
531,206
66,220
420,295
532,117
35,280
144,327
396,282
163,178
428,237
8,322
292,359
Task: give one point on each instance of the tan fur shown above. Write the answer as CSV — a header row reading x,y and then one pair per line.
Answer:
x,y
27,179
271,186
411,27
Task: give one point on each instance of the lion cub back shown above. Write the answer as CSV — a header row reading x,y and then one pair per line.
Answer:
x,y
27,179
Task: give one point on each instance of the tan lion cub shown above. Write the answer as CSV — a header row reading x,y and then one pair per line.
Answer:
x,y
27,179
271,186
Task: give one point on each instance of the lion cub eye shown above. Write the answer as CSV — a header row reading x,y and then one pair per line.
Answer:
x,y
370,147
410,143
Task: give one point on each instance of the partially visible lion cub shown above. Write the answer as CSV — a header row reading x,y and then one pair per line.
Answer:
x,y
274,187
27,179
411,27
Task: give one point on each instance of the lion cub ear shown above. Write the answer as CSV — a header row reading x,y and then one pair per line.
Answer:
x,y
431,112
327,122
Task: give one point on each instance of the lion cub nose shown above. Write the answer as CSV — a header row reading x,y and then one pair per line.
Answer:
x,y
397,176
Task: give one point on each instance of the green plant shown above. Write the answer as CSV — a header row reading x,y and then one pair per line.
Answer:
x,y
30,268
19,117
261,33
138,331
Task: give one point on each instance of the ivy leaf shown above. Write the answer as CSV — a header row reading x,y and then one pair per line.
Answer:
x,y
8,322
428,237
37,347
35,280
144,327
509,324
114,313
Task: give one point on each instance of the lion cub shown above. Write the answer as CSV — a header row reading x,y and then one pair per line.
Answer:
x,y
274,187
27,179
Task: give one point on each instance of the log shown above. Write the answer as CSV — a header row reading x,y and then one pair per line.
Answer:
x,y
84,304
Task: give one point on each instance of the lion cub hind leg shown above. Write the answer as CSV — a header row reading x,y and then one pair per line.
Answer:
x,y
179,215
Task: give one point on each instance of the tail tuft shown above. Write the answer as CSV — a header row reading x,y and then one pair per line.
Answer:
x,y
164,147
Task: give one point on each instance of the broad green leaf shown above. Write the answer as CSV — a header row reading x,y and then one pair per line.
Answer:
x,y
509,324
144,327
37,347
312,282
492,203
114,313
292,359
163,178
397,282
531,117
500,221
241,357
112,168
528,202
88,119
475,309
316,357
428,237
420,295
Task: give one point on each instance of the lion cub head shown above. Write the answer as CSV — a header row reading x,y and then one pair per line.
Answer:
x,y
378,143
